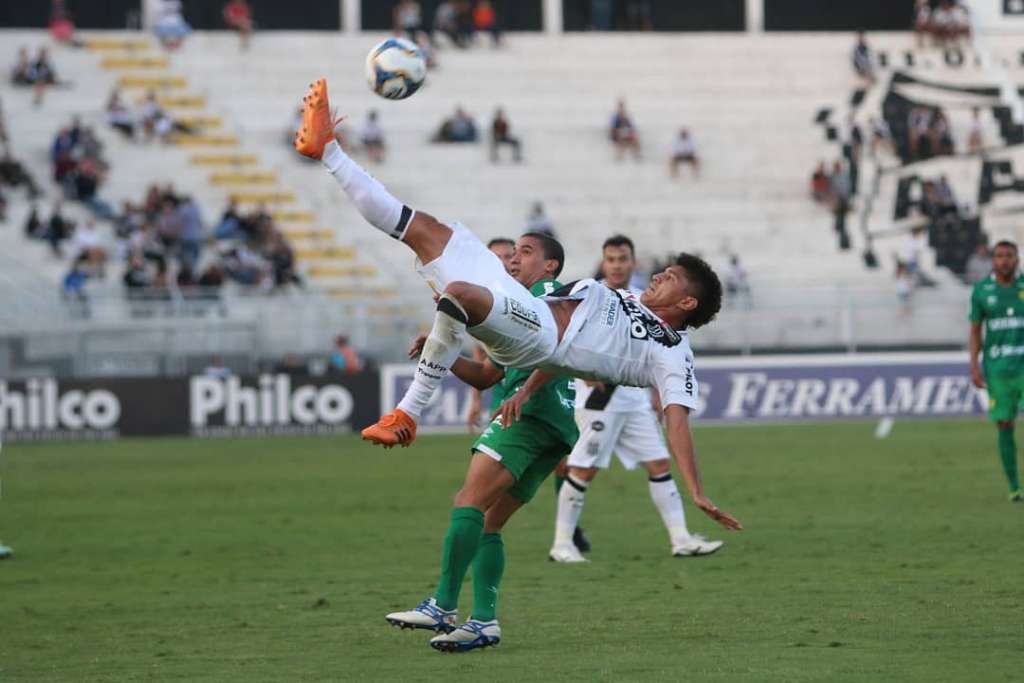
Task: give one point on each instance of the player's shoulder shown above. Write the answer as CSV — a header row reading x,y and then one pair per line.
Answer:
x,y
574,287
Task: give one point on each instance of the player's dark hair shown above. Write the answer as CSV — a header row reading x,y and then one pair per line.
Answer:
x,y
620,241
1006,243
552,249
501,240
705,287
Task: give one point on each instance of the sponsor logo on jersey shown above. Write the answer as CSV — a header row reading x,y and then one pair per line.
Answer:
x,y
645,325
597,426
999,324
522,314
689,377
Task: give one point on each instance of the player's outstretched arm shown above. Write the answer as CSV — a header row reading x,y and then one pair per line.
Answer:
x,y
680,442
477,374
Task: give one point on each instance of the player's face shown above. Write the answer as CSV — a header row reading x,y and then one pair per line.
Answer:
x,y
529,263
669,289
1005,262
617,266
505,252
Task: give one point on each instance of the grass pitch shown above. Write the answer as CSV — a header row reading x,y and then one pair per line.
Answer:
x,y
276,560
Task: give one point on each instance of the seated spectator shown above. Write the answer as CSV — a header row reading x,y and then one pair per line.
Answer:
x,y
460,128
170,26
979,264
945,197
245,266
464,20
863,62
21,74
238,16
914,247
538,221
42,75
34,224
230,226
74,281
975,142
119,116
485,19
623,133
501,134
950,22
737,284
58,229
922,20
136,275
684,151
881,135
820,185
904,286
62,29
446,21
158,123
14,174
192,233
344,358
918,125
939,135
373,138
282,261
408,19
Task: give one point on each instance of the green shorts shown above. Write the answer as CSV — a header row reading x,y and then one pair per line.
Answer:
x,y
529,449
1004,396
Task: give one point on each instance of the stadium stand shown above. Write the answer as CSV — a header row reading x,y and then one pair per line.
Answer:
x,y
745,202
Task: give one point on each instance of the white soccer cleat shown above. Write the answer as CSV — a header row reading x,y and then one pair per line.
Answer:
x,y
472,635
427,615
5,552
696,545
566,553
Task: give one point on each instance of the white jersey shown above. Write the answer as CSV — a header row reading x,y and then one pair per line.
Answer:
x,y
614,338
613,398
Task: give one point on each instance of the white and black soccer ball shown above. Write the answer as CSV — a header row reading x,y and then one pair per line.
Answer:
x,y
395,69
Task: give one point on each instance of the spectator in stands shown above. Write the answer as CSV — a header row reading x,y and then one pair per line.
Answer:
x,y
922,20
950,22
42,75
14,174
979,264
170,26
73,284
85,241
904,286
538,221
192,233
501,134
638,15
684,151
863,61
914,247
21,74
464,19
290,365
216,368
820,185
282,261
737,283
446,21
939,135
623,133
344,358
156,122
119,116
246,267
918,124
408,19
212,278
373,138
975,142
841,196
459,128
945,197
485,20
238,16
62,29
230,226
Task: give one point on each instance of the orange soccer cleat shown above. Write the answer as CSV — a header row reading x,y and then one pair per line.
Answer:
x,y
394,429
317,123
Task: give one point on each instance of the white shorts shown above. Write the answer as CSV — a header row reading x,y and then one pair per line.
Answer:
x,y
635,437
520,331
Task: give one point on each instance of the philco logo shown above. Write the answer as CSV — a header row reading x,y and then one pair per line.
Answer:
x,y
273,402
42,406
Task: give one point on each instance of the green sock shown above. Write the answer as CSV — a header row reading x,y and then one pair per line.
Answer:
x,y
558,483
460,544
488,568
1008,454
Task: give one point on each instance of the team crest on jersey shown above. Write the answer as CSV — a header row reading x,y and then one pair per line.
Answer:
x,y
643,325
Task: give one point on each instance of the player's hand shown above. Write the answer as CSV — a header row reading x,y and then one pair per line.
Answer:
x,y
417,347
977,378
512,409
723,518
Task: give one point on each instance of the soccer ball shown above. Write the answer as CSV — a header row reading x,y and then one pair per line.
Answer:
x,y
395,69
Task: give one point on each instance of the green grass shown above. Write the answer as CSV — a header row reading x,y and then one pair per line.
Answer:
x,y
275,560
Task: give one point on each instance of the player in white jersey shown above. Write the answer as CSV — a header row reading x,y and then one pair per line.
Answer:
x,y
591,332
620,420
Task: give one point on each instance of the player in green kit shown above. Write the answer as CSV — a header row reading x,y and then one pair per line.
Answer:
x,y
997,336
528,450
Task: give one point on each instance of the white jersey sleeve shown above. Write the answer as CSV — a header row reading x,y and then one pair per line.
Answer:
x,y
674,376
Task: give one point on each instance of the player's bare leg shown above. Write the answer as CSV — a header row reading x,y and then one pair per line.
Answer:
x,y
316,139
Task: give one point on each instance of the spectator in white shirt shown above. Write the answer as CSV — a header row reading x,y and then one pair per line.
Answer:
x,y
974,140
684,151
373,138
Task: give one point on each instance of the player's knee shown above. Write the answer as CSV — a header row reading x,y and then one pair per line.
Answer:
x,y
584,474
659,468
474,300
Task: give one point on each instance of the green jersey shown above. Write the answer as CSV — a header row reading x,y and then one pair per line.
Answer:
x,y
1000,310
554,404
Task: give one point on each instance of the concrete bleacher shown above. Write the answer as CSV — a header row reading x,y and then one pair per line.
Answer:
x,y
749,101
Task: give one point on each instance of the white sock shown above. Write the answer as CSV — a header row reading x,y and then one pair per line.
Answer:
x,y
666,498
377,205
439,352
570,507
